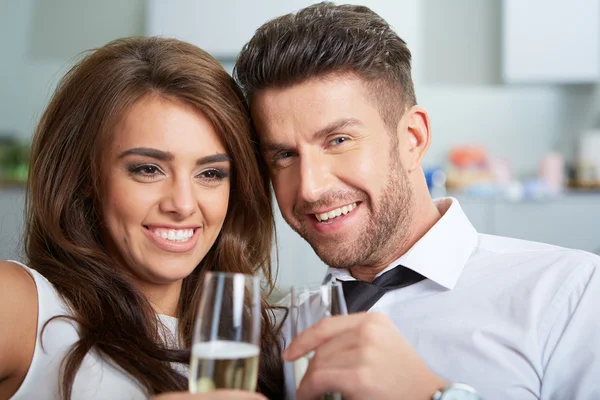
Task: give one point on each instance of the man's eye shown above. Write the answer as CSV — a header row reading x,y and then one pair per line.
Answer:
x,y
283,155
338,140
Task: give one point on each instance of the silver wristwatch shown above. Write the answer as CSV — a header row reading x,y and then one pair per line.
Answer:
x,y
457,391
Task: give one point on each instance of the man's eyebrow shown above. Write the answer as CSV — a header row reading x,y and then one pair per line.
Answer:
x,y
336,126
267,147
270,147
166,156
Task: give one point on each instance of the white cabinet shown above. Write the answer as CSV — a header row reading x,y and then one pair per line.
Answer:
x,y
223,27
219,27
572,220
551,41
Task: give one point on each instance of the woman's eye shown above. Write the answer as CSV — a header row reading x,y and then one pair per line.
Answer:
x,y
149,170
146,170
214,175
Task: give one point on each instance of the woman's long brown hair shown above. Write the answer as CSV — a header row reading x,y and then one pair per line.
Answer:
x,y
63,239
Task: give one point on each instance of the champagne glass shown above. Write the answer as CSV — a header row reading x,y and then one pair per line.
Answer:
x,y
226,341
310,304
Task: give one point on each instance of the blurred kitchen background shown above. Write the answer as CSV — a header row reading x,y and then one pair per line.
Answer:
x,y
512,88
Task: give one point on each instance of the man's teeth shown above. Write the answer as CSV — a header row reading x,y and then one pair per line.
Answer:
x,y
175,235
335,213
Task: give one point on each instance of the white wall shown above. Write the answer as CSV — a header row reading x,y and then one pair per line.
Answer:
x,y
40,39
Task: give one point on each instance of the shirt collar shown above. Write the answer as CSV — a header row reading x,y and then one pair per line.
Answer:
x,y
442,253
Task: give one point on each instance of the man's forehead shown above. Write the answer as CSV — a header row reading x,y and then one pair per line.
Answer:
x,y
311,109
329,87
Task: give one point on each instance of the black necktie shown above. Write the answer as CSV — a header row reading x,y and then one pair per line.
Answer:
x,y
360,296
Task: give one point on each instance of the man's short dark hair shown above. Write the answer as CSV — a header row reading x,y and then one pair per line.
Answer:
x,y
325,38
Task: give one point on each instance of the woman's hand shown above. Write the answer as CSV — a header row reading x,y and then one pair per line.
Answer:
x,y
216,395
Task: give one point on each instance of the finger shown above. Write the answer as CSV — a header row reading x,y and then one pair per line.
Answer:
x,y
347,358
216,395
314,385
346,352
321,332
329,328
363,341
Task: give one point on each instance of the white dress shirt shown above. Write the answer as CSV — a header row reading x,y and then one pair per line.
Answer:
x,y
512,318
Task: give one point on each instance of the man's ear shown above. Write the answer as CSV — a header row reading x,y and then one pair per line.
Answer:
x,y
418,137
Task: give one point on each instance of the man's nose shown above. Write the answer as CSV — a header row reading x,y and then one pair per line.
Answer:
x,y
315,177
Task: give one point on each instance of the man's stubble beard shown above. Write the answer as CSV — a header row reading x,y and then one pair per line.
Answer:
x,y
386,230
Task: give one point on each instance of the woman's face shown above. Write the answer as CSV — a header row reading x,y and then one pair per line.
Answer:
x,y
165,184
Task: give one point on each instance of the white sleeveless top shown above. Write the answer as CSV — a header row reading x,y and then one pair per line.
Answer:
x,y
96,379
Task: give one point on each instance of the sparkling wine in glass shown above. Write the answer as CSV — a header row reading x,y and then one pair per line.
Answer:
x,y
226,341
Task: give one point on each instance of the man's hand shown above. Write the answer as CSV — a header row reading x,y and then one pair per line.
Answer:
x,y
216,395
362,356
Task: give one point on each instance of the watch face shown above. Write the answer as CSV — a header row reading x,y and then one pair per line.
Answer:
x,y
460,392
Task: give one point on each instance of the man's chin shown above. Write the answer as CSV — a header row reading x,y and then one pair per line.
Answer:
x,y
328,249
337,259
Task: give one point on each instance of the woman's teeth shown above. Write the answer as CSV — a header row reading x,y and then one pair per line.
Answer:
x,y
175,235
335,213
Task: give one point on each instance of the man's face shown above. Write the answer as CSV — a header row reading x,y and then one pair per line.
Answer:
x,y
336,169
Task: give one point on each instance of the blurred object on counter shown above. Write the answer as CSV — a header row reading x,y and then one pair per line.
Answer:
x,y
474,172
502,171
458,179
530,189
514,191
14,161
469,157
469,167
588,161
551,172
436,181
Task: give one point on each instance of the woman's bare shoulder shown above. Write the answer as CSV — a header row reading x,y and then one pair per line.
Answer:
x,y
14,279
18,324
